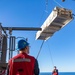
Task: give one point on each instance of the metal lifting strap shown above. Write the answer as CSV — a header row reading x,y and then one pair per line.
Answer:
x,y
40,49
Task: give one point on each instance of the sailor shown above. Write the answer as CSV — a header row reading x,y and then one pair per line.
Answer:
x,y
55,71
23,64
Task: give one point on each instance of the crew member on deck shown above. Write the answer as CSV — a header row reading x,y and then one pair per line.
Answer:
x,y
23,64
55,71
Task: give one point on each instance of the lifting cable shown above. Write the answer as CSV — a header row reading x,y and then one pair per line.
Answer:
x,y
58,3
46,6
50,53
44,11
40,49
43,40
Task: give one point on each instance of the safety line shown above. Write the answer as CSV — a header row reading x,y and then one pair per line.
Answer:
x,y
40,49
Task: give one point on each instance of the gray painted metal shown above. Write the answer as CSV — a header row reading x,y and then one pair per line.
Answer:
x,y
4,49
3,29
22,28
3,66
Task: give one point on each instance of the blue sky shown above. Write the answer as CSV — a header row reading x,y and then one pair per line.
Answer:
x,y
58,50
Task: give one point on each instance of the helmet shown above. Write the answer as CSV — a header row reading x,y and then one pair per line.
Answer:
x,y
22,44
54,66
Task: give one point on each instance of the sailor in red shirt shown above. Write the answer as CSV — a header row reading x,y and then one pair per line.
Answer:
x,y
55,71
23,64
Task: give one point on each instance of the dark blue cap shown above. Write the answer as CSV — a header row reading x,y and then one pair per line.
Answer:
x,y
22,44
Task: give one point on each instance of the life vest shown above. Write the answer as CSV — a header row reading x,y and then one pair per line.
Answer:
x,y
55,73
22,64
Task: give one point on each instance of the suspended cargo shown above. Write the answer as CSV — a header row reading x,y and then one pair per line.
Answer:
x,y
58,18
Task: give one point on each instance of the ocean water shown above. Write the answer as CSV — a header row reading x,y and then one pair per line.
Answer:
x,y
60,73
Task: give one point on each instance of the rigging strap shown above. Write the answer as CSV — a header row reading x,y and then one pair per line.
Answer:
x,y
40,49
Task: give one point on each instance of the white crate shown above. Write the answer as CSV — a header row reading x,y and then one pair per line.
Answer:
x,y
58,18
